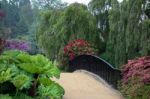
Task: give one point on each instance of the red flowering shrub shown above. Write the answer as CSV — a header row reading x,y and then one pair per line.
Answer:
x,y
136,78
78,47
73,49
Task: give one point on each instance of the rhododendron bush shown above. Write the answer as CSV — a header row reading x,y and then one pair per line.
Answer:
x,y
136,78
14,44
72,49
78,47
17,44
2,44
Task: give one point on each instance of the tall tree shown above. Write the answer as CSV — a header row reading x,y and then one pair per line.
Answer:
x,y
100,9
128,36
72,23
7,21
18,16
26,17
49,4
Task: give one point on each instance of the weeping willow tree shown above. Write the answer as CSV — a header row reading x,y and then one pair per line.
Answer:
x,y
100,9
129,31
46,35
57,28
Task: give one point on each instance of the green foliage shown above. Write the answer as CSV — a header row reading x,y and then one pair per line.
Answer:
x,y
128,36
23,71
21,81
52,91
135,91
6,75
5,96
49,4
38,65
19,96
22,96
19,17
61,26
100,9
124,28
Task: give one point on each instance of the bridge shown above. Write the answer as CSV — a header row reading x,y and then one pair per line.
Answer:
x,y
97,66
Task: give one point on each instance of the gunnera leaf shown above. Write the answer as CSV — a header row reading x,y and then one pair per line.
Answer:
x,y
23,57
6,75
53,72
40,59
45,81
22,81
22,96
53,91
31,68
12,53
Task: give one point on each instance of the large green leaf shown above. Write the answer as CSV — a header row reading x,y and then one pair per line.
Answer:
x,y
31,68
22,96
3,67
21,81
2,96
19,68
53,91
53,72
23,57
45,81
12,53
6,75
40,65
39,59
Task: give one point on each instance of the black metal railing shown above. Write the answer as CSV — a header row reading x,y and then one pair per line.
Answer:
x,y
97,66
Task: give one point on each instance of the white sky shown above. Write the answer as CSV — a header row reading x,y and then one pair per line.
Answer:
x,y
80,1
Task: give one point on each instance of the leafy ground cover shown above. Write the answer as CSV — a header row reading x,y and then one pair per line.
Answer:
x,y
24,76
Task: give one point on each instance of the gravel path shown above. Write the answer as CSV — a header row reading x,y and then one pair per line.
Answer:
x,y
82,85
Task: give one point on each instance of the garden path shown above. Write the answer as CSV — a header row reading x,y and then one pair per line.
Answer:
x,y
85,85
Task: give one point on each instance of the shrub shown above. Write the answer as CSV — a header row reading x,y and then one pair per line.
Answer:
x,y
17,44
71,50
78,47
2,44
23,76
136,79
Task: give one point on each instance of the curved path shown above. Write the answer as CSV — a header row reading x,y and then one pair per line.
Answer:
x,y
85,85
